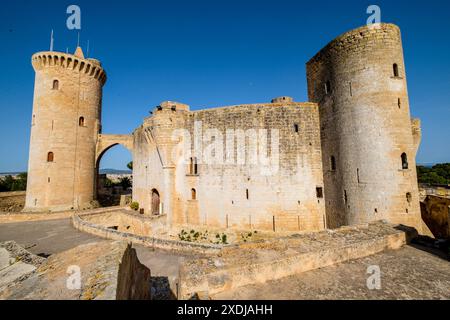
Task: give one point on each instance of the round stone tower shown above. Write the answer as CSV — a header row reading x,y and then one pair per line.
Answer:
x,y
66,121
368,138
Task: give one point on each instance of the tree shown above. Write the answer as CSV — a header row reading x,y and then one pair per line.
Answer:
x,y
125,183
130,165
108,183
9,183
438,174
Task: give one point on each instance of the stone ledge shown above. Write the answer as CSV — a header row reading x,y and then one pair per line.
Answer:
x,y
152,242
29,216
272,260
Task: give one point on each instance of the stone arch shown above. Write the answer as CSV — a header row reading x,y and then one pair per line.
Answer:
x,y
107,141
104,143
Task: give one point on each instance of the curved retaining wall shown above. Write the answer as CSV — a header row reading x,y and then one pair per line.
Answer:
x,y
147,241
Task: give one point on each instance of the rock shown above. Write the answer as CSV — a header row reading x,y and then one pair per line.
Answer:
x,y
105,270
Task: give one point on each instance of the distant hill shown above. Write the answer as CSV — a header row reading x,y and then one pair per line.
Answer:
x,y
115,171
2,174
426,165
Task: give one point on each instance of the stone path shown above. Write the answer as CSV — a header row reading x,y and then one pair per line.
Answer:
x,y
45,238
408,273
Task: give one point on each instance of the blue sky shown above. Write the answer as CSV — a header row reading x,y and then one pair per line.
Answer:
x,y
211,53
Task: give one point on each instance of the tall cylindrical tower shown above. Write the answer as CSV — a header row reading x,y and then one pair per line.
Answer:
x,y
66,121
369,141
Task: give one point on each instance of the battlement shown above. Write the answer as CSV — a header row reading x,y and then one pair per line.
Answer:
x,y
172,105
283,100
76,62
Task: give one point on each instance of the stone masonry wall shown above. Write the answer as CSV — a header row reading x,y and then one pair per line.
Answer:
x,y
366,127
285,199
67,182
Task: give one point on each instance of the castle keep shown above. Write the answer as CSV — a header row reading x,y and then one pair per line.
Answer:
x,y
344,158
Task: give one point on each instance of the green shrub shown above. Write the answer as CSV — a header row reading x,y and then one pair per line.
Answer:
x,y
134,206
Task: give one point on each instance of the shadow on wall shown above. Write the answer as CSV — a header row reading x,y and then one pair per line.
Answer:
x,y
161,290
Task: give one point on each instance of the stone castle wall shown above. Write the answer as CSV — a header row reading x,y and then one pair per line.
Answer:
x,y
282,197
347,157
366,127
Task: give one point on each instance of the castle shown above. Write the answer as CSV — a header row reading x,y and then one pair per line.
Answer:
x,y
344,158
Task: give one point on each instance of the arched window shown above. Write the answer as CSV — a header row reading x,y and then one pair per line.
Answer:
x,y
156,203
333,163
55,85
81,122
193,194
404,161
395,68
50,157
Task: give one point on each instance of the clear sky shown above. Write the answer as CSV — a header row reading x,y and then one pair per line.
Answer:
x,y
211,53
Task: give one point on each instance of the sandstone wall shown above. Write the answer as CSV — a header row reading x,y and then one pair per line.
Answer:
x,y
128,222
366,126
67,88
148,241
239,195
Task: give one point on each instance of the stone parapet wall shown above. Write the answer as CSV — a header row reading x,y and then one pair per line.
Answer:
x,y
271,260
148,241
32,216
433,190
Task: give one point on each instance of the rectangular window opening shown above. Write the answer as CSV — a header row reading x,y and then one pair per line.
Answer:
x,y
319,192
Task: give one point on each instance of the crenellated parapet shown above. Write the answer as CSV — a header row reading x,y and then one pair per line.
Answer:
x,y
89,67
